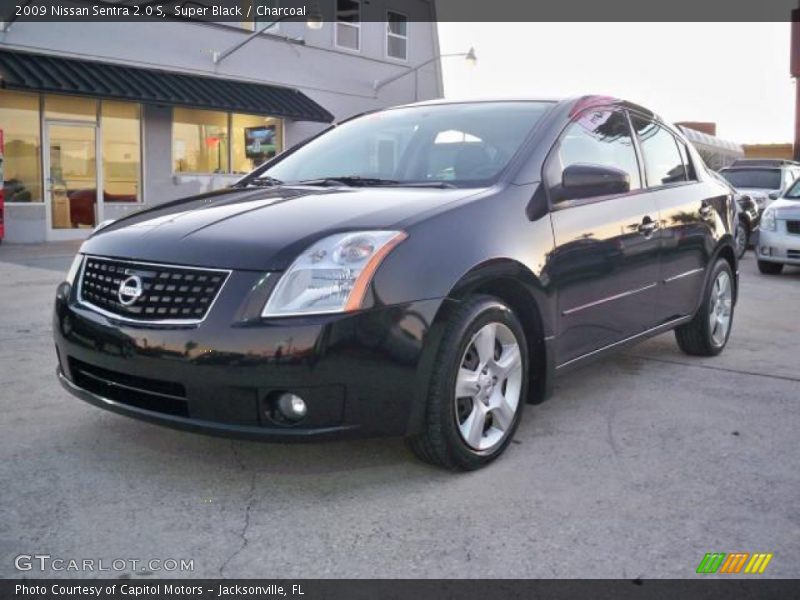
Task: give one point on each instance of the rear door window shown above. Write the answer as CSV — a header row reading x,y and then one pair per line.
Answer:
x,y
663,162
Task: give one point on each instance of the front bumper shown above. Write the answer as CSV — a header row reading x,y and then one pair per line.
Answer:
x,y
361,374
778,246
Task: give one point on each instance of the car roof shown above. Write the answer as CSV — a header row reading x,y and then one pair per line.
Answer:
x,y
751,168
579,102
764,162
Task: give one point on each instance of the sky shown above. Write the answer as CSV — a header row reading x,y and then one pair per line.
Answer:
x,y
733,74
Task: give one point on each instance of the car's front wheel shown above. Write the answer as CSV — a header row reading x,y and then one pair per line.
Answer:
x,y
708,332
478,386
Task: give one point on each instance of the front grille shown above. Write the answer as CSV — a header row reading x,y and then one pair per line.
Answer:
x,y
793,226
152,293
150,394
793,254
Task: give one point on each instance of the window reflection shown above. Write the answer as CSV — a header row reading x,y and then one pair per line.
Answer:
x,y
200,141
19,121
121,152
600,137
662,160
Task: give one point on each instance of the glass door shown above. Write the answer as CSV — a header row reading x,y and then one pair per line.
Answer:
x,y
72,173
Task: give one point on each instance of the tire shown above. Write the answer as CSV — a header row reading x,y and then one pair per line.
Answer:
x,y
704,334
451,421
742,239
770,268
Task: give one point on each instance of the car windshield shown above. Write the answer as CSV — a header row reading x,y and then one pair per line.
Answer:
x,y
766,179
447,144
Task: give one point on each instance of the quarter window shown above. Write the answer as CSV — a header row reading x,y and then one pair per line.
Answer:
x,y
348,24
662,159
597,137
397,35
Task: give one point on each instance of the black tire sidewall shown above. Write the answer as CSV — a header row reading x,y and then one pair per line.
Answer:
x,y
457,341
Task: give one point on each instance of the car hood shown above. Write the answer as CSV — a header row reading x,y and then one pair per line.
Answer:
x,y
786,209
261,228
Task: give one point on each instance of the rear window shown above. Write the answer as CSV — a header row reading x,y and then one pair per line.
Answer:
x,y
767,179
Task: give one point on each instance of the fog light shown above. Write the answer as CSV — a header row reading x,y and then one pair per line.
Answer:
x,y
291,407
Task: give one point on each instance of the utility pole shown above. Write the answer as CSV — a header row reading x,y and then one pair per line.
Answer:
x,y
795,71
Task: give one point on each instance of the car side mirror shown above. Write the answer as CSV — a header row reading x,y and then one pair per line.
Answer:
x,y
774,195
587,181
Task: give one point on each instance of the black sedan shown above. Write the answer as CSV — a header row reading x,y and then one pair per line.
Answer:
x,y
423,271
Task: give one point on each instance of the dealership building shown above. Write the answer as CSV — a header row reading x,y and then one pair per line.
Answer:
x,y
101,119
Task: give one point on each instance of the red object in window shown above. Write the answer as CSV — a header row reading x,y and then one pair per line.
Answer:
x,y
2,188
212,141
591,101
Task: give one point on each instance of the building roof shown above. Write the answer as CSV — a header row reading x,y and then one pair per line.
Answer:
x,y
55,74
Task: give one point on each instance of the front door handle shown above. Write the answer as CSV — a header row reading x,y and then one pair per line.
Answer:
x,y
647,226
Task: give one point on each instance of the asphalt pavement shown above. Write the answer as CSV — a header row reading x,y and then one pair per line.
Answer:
x,y
638,466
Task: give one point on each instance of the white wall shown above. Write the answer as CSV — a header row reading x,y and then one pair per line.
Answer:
x,y
340,80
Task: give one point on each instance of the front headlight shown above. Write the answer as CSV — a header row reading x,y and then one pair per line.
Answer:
x,y
73,269
332,275
768,220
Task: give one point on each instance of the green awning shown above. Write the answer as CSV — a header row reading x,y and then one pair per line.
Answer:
x,y
54,74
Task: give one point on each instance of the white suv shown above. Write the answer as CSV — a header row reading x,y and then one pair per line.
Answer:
x,y
764,180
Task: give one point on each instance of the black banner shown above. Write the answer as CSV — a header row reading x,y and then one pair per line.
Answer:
x,y
357,589
417,10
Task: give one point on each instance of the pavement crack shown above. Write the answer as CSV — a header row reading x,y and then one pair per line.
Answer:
x,y
243,533
713,368
610,431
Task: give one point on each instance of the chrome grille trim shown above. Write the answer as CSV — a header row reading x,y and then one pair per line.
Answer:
x,y
147,322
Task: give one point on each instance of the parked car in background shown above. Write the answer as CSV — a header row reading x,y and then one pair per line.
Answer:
x,y
762,179
423,271
779,233
747,216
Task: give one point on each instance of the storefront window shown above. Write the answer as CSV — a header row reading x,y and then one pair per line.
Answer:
x,y
121,152
19,122
72,108
199,141
254,140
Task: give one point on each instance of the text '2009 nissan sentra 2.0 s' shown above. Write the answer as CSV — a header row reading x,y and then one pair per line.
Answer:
x,y
423,271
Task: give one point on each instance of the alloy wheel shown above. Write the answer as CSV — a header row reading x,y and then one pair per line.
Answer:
x,y
720,307
488,387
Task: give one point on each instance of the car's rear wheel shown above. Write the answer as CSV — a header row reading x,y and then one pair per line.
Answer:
x,y
707,333
478,387
742,238
770,268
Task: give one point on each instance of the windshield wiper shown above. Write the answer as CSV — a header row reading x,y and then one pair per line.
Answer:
x,y
264,180
349,181
425,184
358,181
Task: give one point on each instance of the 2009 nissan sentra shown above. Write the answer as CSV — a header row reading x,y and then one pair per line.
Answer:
x,y
423,271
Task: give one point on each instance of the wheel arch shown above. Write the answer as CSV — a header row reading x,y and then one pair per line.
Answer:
x,y
519,288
